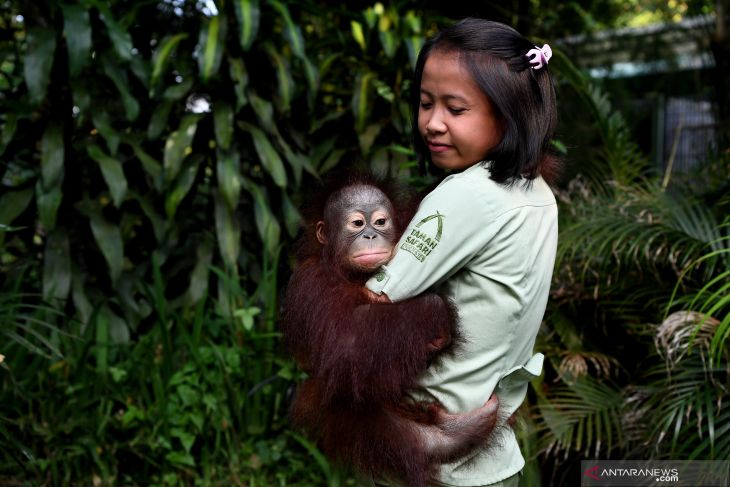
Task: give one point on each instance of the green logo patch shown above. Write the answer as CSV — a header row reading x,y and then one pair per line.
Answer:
x,y
421,242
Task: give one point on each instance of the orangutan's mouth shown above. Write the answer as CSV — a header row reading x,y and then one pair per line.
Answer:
x,y
370,258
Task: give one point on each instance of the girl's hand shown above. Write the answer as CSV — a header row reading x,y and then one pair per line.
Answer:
x,y
376,298
438,343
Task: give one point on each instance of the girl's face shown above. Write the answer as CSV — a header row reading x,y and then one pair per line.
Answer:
x,y
455,118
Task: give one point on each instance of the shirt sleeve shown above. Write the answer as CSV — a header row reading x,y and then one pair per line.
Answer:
x,y
448,230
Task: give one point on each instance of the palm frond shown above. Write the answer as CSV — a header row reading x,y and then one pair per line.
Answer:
x,y
715,446
683,400
684,397
683,407
583,417
682,330
711,300
641,228
577,364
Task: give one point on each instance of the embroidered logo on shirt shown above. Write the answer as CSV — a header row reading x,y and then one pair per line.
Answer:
x,y
421,242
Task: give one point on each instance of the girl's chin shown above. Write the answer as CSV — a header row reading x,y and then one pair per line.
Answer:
x,y
450,163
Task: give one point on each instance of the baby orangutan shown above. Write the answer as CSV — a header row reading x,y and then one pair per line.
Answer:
x,y
363,357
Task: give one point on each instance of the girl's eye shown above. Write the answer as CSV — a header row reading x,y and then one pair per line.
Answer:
x,y
457,111
425,105
380,221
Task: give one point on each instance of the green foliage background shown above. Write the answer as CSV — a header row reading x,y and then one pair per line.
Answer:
x,y
154,157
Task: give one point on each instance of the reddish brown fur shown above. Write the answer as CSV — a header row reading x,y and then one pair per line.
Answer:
x,y
362,358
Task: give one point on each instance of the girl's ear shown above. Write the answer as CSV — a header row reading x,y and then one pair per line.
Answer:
x,y
321,238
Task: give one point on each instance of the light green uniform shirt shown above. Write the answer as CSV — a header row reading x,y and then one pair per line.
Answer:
x,y
491,249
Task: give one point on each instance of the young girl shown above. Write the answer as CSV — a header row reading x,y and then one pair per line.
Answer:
x,y
484,110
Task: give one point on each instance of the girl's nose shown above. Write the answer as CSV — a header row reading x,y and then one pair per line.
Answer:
x,y
435,124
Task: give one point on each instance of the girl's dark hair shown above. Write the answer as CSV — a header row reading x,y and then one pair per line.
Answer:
x,y
524,98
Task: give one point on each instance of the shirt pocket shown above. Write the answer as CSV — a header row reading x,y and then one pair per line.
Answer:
x,y
522,374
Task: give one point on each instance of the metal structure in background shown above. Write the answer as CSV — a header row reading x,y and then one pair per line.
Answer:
x,y
691,131
686,126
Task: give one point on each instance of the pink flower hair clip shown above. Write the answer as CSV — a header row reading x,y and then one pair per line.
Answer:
x,y
539,56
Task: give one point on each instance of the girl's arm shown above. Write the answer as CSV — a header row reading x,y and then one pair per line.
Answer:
x,y
451,227
376,298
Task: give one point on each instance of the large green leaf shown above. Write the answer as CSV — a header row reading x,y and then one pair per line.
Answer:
x,y
38,61
366,137
52,156
111,170
223,121
180,90
264,111
292,31
321,150
357,34
389,41
328,62
312,74
178,146
199,277
228,231
82,304
268,156
331,161
239,75
297,161
102,123
211,44
107,236
8,131
81,98
248,13
141,68
182,185
120,37
292,218
151,166
57,266
266,222
229,177
12,204
361,102
161,56
133,309
284,77
48,202
77,31
158,120
119,77
414,45
159,224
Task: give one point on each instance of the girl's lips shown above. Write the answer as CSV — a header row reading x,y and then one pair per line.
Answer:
x,y
438,147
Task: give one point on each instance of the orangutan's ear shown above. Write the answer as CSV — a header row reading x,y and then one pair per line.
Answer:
x,y
320,233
